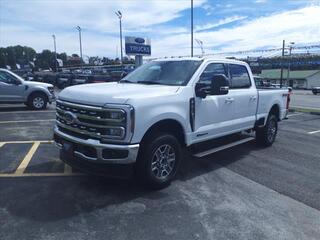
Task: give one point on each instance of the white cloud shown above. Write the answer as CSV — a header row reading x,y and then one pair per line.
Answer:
x,y
219,23
300,26
260,1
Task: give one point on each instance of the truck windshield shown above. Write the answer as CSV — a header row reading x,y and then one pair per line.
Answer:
x,y
176,73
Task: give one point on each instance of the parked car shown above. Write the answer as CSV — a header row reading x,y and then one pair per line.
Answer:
x,y
147,118
14,89
315,90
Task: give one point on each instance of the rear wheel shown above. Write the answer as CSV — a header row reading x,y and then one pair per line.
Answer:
x,y
158,160
37,101
266,135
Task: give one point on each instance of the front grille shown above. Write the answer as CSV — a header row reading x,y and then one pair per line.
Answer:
x,y
91,122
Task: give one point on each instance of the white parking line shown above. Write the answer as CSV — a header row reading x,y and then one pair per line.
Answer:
x,y
44,111
317,131
295,114
25,121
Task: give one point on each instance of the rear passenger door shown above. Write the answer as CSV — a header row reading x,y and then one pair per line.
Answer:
x,y
245,96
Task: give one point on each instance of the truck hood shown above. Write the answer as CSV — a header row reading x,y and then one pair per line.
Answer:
x,y
99,94
37,84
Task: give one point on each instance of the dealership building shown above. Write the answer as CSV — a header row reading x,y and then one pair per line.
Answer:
x,y
303,79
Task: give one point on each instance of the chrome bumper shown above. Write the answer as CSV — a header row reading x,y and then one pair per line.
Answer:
x,y
99,147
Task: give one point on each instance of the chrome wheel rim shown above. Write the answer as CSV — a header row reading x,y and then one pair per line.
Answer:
x,y
272,130
38,102
163,161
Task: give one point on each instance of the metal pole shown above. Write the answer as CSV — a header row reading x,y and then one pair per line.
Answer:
x,y
55,51
191,28
121,41
79,29
289,67
281,76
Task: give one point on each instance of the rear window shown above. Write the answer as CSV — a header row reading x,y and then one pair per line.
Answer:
x,y
239,76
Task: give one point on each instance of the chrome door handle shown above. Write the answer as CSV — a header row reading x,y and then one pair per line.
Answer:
x,y
229,100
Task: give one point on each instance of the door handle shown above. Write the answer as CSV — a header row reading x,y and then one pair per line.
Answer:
x,y
253,98
229,100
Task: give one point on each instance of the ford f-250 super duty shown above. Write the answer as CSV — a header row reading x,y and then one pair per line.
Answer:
x,y
158,109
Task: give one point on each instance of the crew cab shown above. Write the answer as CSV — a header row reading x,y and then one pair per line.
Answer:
x,y
162,107
14,89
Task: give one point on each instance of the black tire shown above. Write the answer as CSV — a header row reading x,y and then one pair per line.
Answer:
x,y
37,101
149,155
266,135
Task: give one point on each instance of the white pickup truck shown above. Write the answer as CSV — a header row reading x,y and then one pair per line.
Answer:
x,y
147,118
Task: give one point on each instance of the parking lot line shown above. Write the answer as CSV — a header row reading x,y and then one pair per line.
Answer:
x,y
294,114
5,175
1,144
44,111
23,165
29,141
25,121
313,132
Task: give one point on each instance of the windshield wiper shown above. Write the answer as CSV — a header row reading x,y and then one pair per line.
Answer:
x,y
125,81
149,82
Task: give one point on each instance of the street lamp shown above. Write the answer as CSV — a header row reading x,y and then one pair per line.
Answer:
x,y
79,29
201,45
290,59
55,51
119,15
191,28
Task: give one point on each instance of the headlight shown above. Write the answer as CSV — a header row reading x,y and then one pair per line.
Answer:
x,y
115,132
51,90
116,115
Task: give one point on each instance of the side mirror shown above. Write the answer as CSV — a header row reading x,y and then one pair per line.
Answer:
x,y
219,85
202,89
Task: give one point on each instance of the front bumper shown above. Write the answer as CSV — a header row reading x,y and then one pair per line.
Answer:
x,y
51,98
96,152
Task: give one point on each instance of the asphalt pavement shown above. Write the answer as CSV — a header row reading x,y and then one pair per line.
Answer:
x,y
246,192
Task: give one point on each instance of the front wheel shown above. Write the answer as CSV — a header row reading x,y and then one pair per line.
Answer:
x,y
158,160
37,101
266,135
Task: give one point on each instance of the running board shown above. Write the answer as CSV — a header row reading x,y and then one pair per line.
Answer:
x,y
217,149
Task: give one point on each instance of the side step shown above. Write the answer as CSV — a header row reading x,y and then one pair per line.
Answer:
x,y
220,148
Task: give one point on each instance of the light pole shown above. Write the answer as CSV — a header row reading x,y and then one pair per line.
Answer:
x,y
289,66
55,52
201,45
79,29
119,15
191,28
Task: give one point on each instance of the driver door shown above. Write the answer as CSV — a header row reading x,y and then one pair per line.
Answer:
x,y
214,114
11,88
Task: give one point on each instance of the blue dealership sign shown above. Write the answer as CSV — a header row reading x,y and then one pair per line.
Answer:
x,y
137,46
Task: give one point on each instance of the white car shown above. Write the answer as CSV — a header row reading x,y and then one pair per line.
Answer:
x,y
158,109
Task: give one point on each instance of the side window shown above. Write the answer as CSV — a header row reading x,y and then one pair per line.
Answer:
x,y
239,76
210,70
6,77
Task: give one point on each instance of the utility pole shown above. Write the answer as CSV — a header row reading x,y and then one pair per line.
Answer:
x,y
55,52
119,14
289,66
281,76
191,28
79,29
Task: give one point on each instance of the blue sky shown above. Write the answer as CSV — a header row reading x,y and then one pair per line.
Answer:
x,y
222,25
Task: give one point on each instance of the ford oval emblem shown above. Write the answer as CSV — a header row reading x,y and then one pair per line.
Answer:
x,y
70,118
139,40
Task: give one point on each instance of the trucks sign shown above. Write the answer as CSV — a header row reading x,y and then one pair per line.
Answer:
x,y
137,46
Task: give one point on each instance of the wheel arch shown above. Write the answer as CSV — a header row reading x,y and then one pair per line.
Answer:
x,y
37,92
171,126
